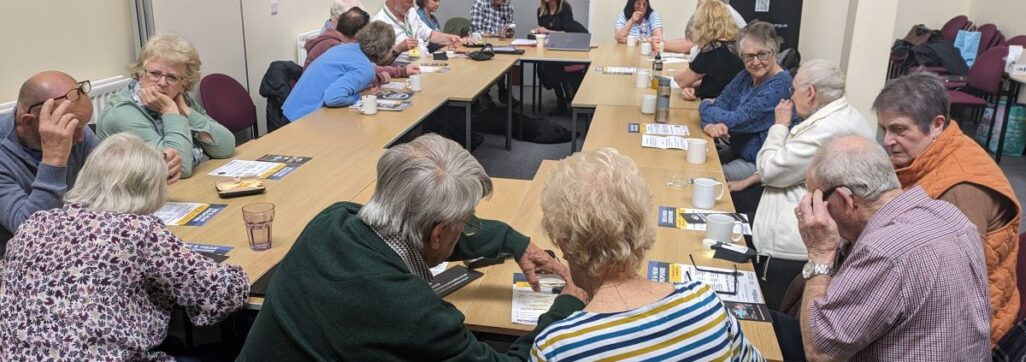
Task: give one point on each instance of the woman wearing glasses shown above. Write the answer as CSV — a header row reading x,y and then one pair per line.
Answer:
x,y
157,107
744,111
597,209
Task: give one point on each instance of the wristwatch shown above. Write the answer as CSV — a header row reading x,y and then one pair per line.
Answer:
x,y
812,269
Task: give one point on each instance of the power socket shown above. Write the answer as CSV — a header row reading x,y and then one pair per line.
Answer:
x,y
274,7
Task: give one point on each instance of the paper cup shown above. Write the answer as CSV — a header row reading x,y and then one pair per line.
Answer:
x,y
648,104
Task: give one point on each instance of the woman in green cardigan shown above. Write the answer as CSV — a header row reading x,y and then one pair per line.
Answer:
x,y
157,107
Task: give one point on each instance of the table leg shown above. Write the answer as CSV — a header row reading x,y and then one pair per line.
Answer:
x,y
523,82
536,95
509,109
573,130
469,138
1013,96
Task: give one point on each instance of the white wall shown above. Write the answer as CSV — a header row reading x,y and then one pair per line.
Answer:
x,y
216,32
932,13
86,39
869,52
823,29
1008,15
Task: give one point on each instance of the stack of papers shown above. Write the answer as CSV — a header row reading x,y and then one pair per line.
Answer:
x,y
242,168
666,142
433,69
746,301
528,304
618,70
524,42
662,129
187,214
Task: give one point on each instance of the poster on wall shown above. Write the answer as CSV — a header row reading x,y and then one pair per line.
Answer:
x,y
785,15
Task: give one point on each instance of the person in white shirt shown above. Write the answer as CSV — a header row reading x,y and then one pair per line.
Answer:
x,y
782,162
410,30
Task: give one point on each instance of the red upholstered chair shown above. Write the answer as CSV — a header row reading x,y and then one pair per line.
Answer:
x,y
990,37
983,86
951,28
228,103
1016,40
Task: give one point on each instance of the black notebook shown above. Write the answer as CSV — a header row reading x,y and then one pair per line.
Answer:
x,y
453,279
259,287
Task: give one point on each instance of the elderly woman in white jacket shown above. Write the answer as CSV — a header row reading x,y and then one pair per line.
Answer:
x,y
783,161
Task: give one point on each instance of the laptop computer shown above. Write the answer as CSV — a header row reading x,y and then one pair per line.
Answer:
x,y
579,42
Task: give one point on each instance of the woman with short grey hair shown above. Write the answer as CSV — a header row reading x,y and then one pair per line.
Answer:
x,y
818,100
740,117
598,210
99,278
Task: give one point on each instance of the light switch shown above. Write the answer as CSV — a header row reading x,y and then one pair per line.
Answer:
x,y
274,7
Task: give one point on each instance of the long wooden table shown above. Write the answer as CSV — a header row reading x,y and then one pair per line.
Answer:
x,y
345,146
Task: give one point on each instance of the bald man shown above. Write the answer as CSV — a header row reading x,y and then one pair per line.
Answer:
x,y
43,144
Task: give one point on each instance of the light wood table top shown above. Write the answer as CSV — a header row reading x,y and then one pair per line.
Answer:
x,y
466,78
491,309
335,173
350,128
617,89
609,129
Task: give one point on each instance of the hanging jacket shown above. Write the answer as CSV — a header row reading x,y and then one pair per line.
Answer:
x,y
275,86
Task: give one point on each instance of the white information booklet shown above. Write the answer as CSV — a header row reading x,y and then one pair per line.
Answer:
x,y
662,142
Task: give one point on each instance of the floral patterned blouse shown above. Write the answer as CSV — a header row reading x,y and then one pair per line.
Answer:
x,y
83,285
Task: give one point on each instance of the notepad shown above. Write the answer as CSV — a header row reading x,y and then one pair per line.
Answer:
x,y
661,129
617,70
664,142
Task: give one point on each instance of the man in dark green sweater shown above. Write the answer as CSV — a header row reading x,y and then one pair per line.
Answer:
x,y
354,286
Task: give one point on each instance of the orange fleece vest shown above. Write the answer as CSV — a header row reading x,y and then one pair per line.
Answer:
x,y
952,159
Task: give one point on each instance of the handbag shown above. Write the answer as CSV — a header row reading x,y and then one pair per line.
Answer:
x,y
486,53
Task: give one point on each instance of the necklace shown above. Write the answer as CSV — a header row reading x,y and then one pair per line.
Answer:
x,y
616,288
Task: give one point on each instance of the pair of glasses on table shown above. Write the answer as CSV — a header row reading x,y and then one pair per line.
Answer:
x,y
734,274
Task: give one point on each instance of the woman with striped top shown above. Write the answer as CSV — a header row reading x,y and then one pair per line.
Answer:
x,y
596,208
640,20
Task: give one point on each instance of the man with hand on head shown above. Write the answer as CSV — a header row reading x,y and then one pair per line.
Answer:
x,y
44,143
913,281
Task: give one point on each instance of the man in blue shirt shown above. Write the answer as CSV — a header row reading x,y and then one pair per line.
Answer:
x,y
338,77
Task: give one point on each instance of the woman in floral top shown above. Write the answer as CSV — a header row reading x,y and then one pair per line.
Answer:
x,y
97,279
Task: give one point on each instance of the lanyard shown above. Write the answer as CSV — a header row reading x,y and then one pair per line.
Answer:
x,y
405,25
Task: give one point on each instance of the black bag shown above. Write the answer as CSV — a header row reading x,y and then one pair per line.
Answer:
x,y
486,53
790,60
276,86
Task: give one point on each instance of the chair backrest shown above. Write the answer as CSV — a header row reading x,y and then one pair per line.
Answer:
x,y
1019,40
227,102
950,29
989,34
1020,272
457,25
986,73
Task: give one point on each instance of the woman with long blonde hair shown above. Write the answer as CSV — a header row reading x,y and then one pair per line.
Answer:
x,y
714,32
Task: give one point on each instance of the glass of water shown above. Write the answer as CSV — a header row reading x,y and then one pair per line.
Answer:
x,y
258,219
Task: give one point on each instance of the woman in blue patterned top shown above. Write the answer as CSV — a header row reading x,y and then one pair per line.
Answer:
x,y
744,112
640,20
597,209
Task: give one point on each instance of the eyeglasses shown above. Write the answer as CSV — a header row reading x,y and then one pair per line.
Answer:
x,y
761,56
733,274
830,191
155,75
83,88
472,226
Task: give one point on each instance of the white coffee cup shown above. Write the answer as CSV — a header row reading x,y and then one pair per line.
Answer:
x,y
415,82
697,148
541,40
644,79
648,104
646,48
475,36
369,105
703,193
720,227
632,40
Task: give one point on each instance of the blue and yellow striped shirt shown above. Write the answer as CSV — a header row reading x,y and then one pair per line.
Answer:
x,y
690,324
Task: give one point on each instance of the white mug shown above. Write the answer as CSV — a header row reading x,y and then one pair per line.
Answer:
x,y
697,148
540,38
703,194
720,227
370,104
648,104
475,36
632,40
646,48
415,82
644,79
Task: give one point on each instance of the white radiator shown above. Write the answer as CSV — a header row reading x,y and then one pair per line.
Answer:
x,y
301,45
101,92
